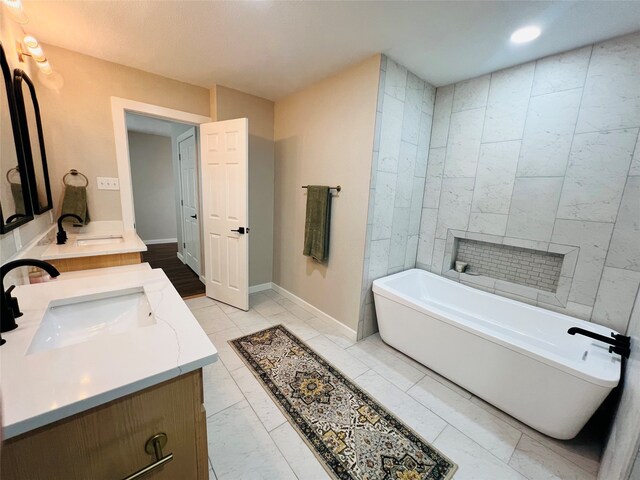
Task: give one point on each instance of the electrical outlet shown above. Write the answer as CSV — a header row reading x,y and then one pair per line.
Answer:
x,y
108,183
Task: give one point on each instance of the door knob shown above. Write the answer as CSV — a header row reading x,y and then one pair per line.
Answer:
x,y
241,230
194,216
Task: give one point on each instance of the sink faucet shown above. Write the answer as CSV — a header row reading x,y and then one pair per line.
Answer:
x,y
620,344
9,308
61,237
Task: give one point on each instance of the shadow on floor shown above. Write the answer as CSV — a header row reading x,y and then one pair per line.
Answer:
x,y
165,256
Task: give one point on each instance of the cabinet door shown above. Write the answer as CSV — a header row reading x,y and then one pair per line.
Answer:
x,y
108,442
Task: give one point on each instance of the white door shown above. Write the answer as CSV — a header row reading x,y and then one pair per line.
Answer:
x,y
189,199
224,153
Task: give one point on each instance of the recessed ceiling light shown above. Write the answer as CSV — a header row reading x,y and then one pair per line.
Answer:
x,y
525,34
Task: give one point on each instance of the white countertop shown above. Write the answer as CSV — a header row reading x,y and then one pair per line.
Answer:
x,y
131,242
41,388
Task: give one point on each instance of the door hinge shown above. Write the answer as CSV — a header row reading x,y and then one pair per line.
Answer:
x,y
181,202
184,245
179,156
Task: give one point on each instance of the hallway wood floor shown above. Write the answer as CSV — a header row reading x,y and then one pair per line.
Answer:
x,y
164,256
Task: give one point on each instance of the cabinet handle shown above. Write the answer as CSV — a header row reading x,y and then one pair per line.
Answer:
x,y
153,447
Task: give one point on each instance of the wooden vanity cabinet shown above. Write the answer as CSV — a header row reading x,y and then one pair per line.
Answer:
x,y
96,261
108,442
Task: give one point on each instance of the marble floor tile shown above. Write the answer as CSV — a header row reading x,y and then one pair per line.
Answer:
x,y
580,451
273,295
199,302
493,434
392,368
226,353
422,420
220,390
269,308
241,449
474,462
337,356
328,330
301,460
228,308
212,319
537,462
300,329
262,404
250,321
258,298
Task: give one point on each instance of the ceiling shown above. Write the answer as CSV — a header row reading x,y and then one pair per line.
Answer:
x,y
272,49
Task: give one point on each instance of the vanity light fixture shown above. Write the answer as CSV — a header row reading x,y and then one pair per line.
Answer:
x,y
34,50
15,10
525,34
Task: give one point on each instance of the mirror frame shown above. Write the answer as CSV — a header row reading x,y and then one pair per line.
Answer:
x,y
19,77
13,114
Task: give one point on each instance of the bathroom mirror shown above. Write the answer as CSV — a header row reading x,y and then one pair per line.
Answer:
x,y
15,202
32,141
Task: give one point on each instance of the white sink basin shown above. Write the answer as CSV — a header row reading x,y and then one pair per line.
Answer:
x,y
105,240
78,319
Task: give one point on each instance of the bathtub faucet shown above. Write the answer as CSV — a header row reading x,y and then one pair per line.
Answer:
x,y
619,344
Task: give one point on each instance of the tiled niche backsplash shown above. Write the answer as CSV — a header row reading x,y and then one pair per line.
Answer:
x,y
532,268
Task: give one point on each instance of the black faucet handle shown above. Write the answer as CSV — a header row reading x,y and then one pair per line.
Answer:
x,y
61,237
12,302
621,339
9,290
620,350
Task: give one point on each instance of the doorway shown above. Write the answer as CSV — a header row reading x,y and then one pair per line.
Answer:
x,y
164,179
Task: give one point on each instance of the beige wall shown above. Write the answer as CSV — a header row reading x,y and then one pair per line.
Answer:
x,y
229,104
77,119
154,186
324,135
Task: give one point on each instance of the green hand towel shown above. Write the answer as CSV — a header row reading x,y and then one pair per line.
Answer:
x,y
317,223
18,199
75,201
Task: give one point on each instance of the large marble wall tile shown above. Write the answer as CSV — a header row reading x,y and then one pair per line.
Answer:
x,y
620,451
411,254
471,93
463,146
495,177
624,251
561,72
548,134
614,301
379,258
416,205
612,91
635,163
406,167
593,239
384,200
395,83
390,134
598,166
455,205
399,234
490,223
533,208
412,109
441,116
428,98
427,235
433,183
507,105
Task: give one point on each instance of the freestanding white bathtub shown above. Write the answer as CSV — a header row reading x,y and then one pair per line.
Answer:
x,y
513,355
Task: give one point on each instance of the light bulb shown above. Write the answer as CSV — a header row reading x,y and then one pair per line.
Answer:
x,y
14,7
30,41
525,34
36,53
45,67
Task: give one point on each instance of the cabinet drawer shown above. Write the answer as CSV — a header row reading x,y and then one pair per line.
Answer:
x,y
108,442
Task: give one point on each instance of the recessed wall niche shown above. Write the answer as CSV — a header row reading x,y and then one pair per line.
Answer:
x,y
538,273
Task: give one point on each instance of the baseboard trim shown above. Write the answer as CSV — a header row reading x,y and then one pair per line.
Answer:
x,y
346,331
160,240
180,257
260,288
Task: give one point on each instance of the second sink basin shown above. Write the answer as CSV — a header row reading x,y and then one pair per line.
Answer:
x,y
78,319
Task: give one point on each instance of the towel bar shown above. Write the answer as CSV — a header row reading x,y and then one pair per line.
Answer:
x,y
338,188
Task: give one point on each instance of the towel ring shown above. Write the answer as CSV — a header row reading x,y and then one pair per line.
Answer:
x,y
17,170
74,172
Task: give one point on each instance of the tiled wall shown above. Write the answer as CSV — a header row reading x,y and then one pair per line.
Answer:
x,y
539,270
399,166
543,154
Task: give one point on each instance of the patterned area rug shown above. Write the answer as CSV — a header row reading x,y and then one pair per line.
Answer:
x,y
352,434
